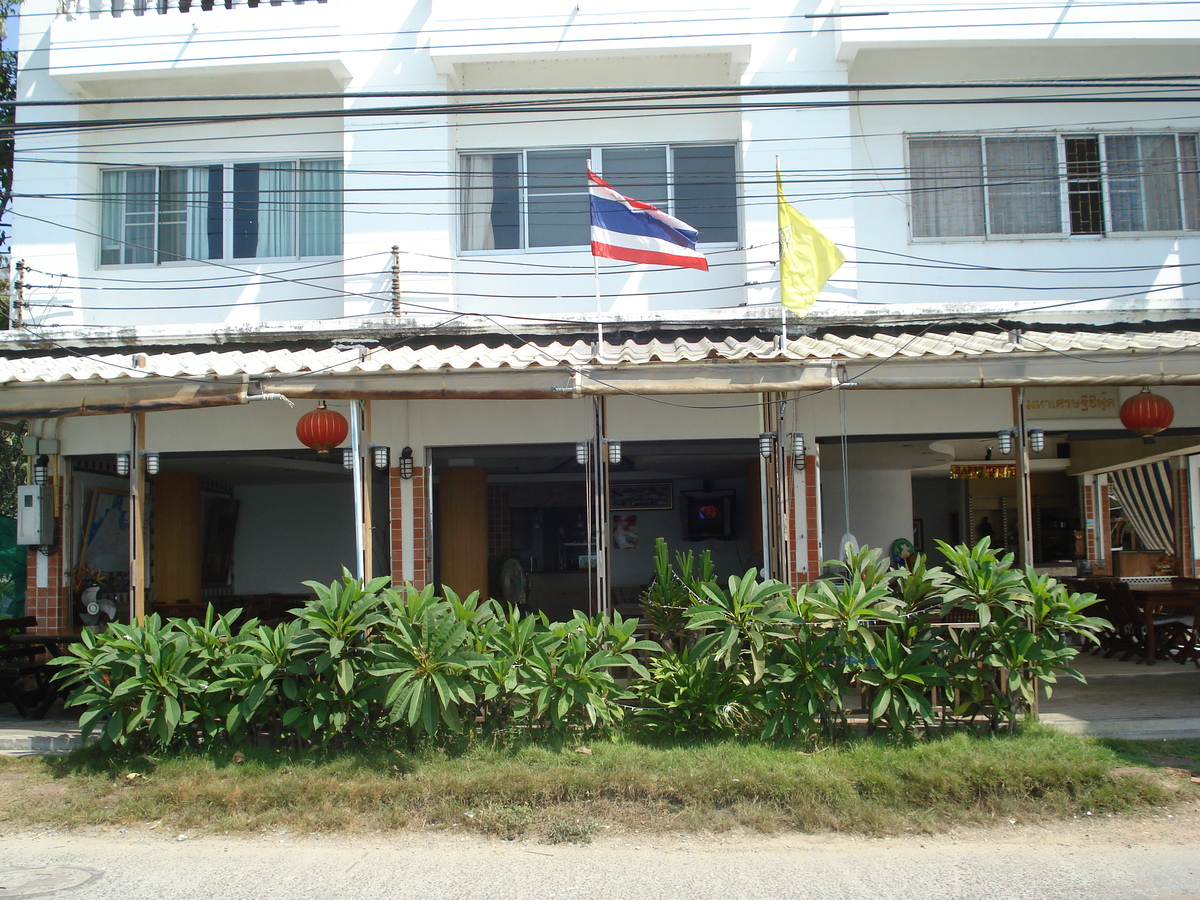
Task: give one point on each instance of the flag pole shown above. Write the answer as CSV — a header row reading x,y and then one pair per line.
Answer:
x,y
779,269
599,303
599,311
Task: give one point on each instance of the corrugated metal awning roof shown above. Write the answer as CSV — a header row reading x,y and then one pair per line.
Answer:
x,y
60,365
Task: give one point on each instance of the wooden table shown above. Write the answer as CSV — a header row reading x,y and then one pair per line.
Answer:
x,y
1160,599
52,643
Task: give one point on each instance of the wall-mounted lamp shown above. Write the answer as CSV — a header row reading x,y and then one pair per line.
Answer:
x,y
152,462
612,451
348,457
41,469
795,444
381,455
798,449
406,463
122,464
1008,436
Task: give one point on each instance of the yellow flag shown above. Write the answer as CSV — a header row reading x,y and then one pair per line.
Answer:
x,y
807,258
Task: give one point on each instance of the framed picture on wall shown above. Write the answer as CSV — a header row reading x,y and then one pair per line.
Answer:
x,y
642,495
106,533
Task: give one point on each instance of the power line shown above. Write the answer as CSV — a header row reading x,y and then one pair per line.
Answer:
x,y
661,93
428,39
645,104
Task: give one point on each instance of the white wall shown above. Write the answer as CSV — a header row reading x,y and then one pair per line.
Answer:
x,y
288,534
401,186
881,507
1113,272
636,566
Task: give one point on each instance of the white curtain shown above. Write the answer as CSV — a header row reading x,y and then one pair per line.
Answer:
x,y
1023,185
320,186
947,187
1189,169
140,210
276,209
197,214
110,218
478,196
1143,182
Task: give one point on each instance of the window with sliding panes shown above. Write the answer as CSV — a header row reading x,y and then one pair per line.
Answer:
x,y
533,199
978,186
240,211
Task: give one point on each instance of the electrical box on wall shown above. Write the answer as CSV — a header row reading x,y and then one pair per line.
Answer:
x,y
35,515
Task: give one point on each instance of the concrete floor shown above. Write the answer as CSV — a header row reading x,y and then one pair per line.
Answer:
x,y
1126,699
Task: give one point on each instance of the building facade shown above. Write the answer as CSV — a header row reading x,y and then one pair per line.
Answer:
x,y
228,213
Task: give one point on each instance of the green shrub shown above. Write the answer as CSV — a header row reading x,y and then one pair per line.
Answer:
x,y
368,662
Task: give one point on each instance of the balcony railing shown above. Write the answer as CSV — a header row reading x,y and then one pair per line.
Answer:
x,y
94,9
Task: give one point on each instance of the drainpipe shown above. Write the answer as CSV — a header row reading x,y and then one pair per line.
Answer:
x,y
360,543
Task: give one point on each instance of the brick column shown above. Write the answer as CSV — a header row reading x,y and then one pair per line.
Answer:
x,y
52,603
407,514
804,554
1181,500
1096,520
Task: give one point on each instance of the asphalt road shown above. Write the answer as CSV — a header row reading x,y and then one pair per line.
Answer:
x,y
1088,858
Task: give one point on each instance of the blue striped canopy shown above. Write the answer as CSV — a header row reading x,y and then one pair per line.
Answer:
x,y
1144,493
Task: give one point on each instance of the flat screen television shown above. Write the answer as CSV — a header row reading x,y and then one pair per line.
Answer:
x,y
708,516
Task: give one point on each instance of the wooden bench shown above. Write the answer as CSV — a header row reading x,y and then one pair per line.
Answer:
x,y
24,674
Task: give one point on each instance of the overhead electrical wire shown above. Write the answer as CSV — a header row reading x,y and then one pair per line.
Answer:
x,y
332,293
101,125
847,26
124,144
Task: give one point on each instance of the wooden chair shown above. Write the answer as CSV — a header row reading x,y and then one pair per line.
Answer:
x,y
1127,635
24,675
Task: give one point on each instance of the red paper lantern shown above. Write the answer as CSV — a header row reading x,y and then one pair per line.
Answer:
x,y
322,429
1147,414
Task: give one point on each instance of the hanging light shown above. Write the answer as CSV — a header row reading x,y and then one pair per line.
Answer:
x,y
348,457
152,461
1037,440
1005,438
381,456
41,469
583,452
1147,414
322,429
406,463
122,464
614,452
798,449
766,442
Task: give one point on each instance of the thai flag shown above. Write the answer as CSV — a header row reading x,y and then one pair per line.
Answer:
x,y
633,231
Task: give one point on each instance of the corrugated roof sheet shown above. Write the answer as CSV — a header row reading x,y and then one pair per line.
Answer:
x,y
300,360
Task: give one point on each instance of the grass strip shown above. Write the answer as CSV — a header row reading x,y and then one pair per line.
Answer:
x,y
865,787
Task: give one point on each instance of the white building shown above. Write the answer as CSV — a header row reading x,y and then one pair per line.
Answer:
x,y
382,206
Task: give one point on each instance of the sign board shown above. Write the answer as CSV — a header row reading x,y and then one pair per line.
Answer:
x,y
1072,403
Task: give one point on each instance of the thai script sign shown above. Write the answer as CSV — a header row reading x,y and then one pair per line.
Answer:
x,y
1071,403
983,470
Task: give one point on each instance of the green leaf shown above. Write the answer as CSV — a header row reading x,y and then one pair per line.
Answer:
x,y
880,704
345,676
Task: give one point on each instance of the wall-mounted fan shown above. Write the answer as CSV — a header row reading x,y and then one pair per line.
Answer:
x,y
514,584
96,610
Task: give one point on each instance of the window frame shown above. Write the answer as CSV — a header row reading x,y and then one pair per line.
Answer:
x,y
596,154
199,207
1186,195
